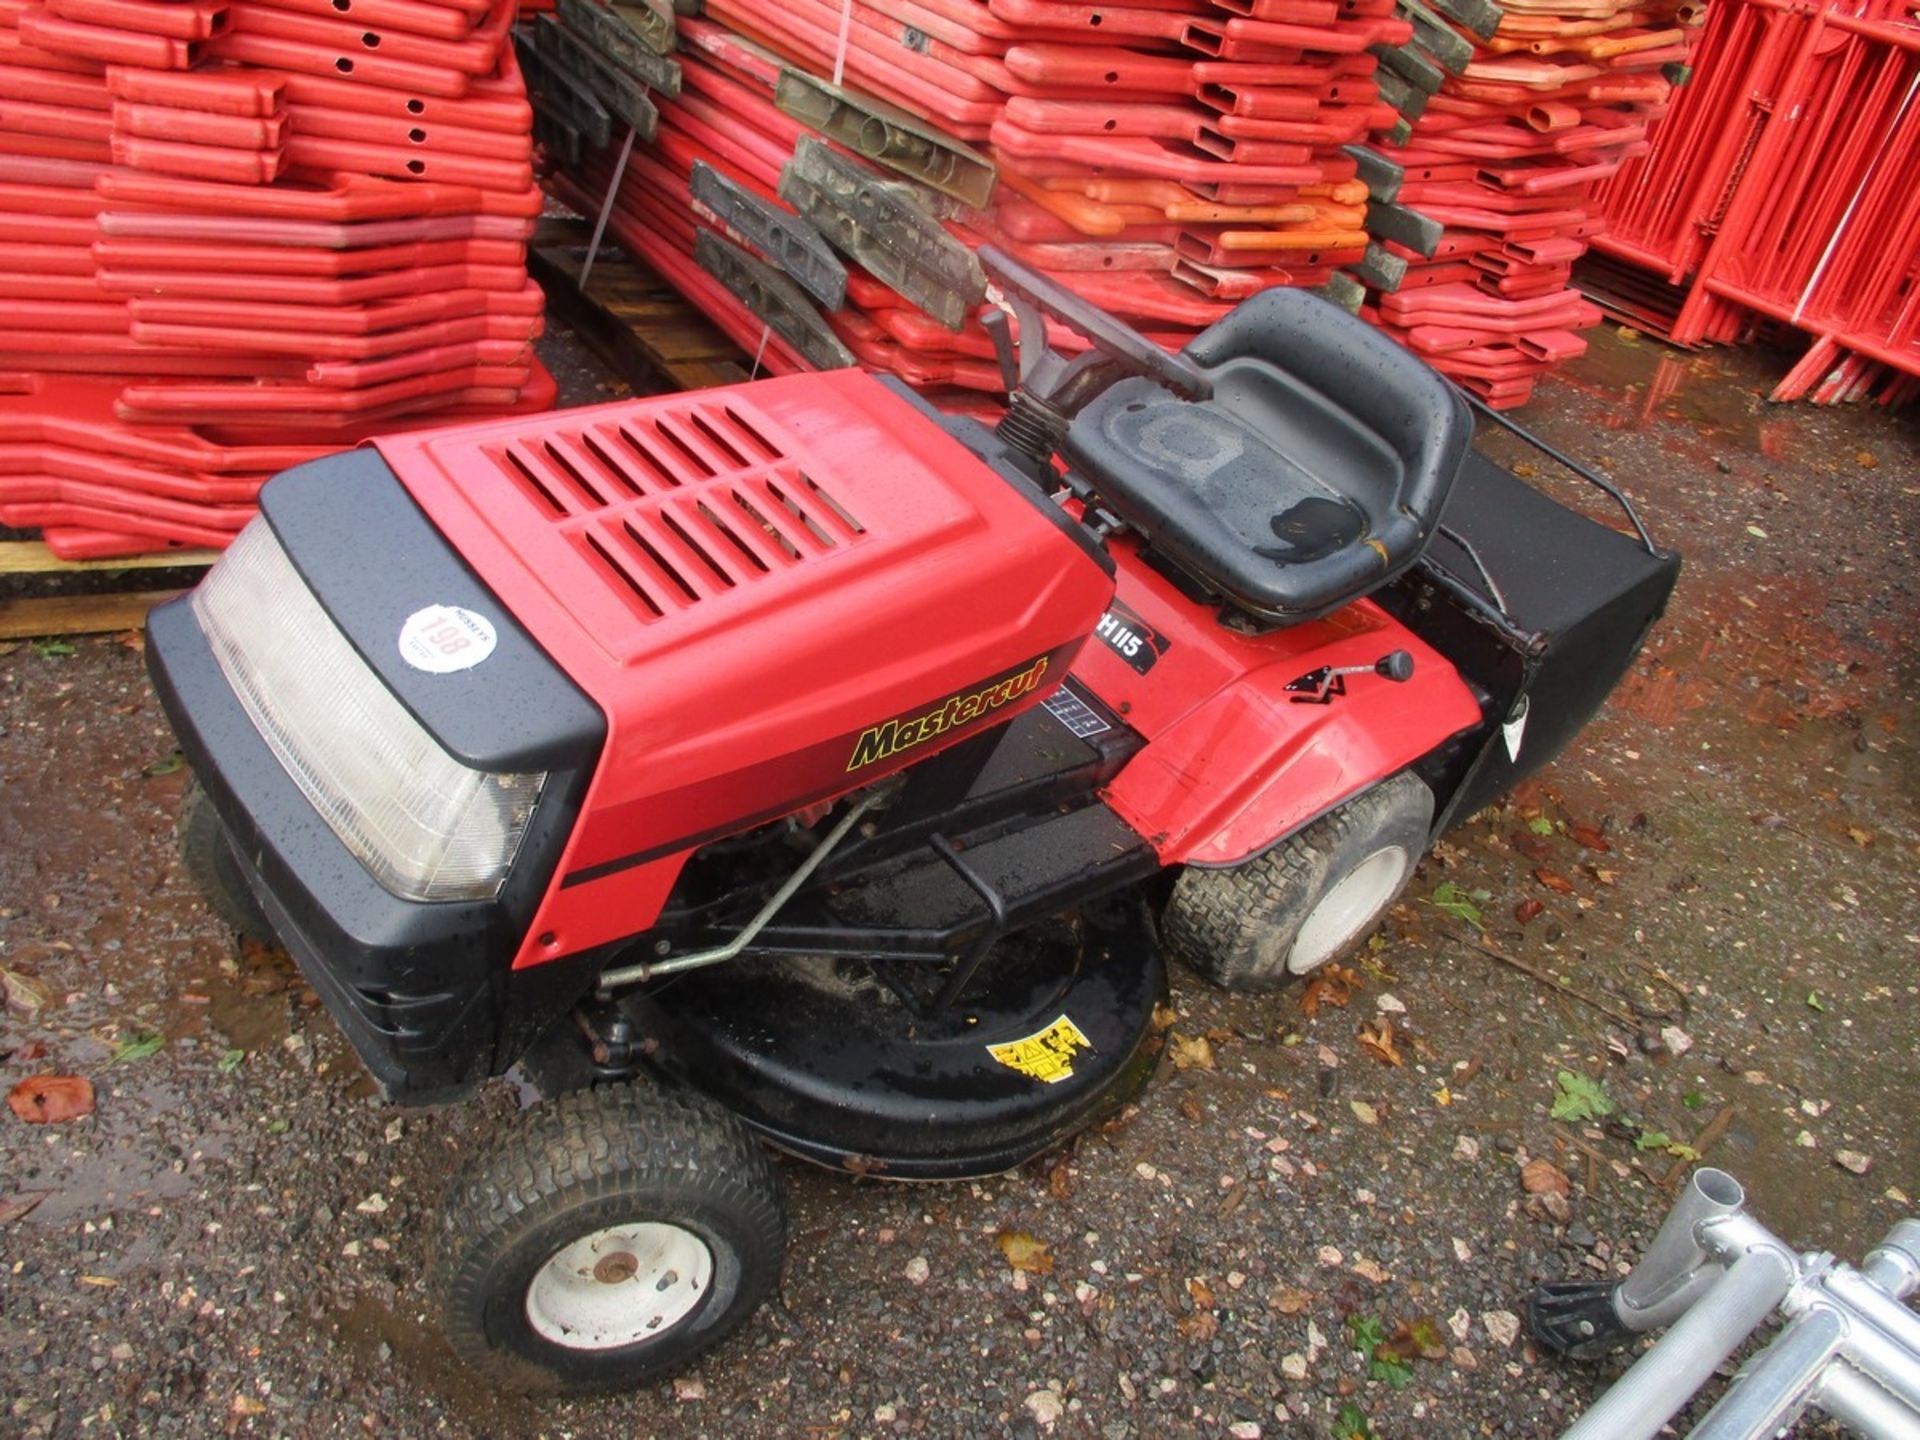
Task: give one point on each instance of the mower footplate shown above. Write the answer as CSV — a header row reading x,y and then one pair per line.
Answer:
x,y
827,1060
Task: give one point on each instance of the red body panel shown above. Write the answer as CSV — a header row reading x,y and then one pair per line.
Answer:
x,y
754,583
1232,763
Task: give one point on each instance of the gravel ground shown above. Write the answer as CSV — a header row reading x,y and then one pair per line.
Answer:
x,y
1723,872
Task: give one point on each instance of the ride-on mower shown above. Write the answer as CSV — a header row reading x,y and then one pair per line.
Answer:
x,y
794,763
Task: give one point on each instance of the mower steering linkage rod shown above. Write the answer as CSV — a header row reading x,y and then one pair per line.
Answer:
x,y
699,959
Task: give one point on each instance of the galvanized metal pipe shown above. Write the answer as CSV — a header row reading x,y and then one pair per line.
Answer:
x,y
1852,1398
651,969
1678,1265
1665,1378
1775,1387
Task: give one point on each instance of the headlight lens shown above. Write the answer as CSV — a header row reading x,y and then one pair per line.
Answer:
x,y
426,826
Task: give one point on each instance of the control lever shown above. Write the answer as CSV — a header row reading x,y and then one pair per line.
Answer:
x,y
1000,330
1318,687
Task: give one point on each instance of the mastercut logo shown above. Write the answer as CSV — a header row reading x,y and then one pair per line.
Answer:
x,y
880,741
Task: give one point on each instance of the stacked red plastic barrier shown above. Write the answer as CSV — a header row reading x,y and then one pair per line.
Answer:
x,y
1164,161
1503,164
274,228
1785,187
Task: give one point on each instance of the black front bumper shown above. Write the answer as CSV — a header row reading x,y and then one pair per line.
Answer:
x,y
424,990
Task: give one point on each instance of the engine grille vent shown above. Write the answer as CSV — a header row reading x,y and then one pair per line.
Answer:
x,y
676,505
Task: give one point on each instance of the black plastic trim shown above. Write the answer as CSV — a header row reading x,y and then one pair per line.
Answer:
x,y
425,991
372,558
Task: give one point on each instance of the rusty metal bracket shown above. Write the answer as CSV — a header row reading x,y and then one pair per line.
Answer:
x,y
887,134
619,45
790,241
773,298
568,60
877,222
1405,227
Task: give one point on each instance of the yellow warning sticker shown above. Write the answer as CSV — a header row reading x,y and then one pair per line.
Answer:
x,y
1046,1055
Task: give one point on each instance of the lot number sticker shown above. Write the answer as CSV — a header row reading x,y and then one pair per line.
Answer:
x,y
442,639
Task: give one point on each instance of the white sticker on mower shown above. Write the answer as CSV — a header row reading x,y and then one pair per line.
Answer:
x,y
442,639
1514,727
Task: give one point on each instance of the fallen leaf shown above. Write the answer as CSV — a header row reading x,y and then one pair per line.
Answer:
x,y
1369,1270
139,1048
24,993
99,1282
1528,911
1589,837
1190,1053
1202,1295
1533,847
1289,1301
247,1405
1450,899
1363,1112
165,765
1201,1325
1060,1181
1419,1339
51,1099
1541,1177
1164,1017
1580,1097
1554,881
18,1207
1025,1253
1862,838
1379,1043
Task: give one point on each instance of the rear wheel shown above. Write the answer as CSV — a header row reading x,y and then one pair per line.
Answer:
x,y
606,1239
206,854
1309,900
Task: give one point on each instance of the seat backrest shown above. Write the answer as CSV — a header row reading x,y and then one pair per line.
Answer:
x,y
1383,387
1316,471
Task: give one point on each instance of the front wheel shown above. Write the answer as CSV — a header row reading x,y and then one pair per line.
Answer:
x,y
206,854
606,1239
1309,900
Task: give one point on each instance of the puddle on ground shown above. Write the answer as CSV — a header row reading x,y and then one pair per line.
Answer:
x,y
1715,393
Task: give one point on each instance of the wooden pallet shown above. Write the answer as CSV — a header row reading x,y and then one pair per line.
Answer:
x,y
644,329
27,617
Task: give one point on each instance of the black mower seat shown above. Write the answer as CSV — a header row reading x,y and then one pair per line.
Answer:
x,y
1315,473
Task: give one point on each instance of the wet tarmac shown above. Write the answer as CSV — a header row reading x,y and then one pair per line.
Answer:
x,y
239,1239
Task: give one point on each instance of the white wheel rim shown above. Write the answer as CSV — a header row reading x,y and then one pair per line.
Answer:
x,y
619,1285
1349,908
